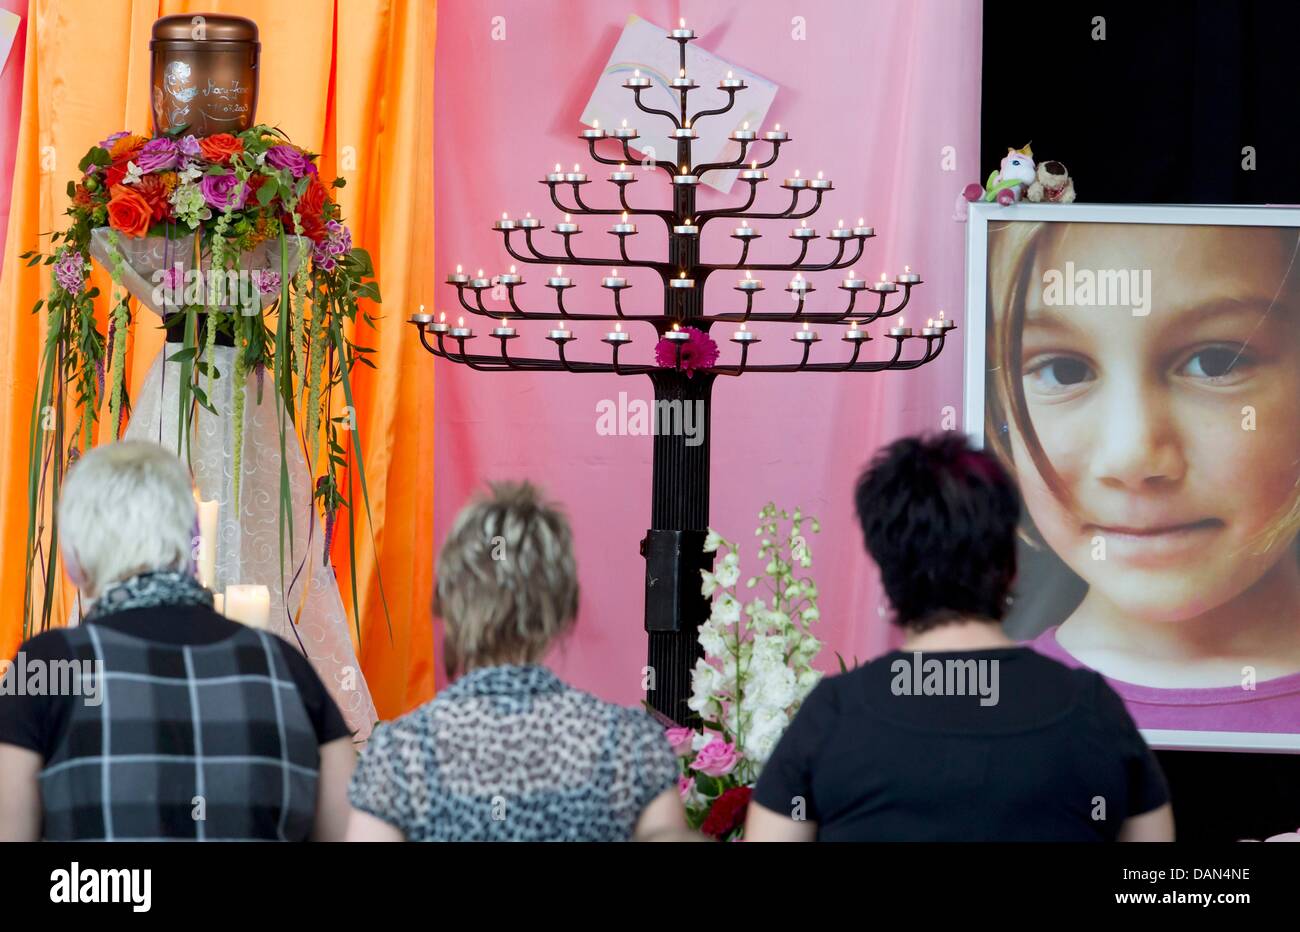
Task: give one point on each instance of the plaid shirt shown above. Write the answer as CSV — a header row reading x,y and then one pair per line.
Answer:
x,y
206,742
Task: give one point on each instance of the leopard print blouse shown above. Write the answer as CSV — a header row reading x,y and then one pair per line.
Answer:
x,y
511,753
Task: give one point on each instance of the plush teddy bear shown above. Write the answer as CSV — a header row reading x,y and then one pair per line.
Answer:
x,y
1053,184
1004,186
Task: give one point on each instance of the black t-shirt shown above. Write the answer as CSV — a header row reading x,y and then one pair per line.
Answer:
x,y
1032,751
37,722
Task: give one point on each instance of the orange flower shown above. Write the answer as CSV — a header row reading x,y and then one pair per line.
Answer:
x,y
157,193
128,212
126,148
220,148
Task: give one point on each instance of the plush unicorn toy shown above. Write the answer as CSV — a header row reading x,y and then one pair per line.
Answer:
x,y
1005,185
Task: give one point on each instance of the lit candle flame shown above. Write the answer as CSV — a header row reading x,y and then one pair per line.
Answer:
x,y
728,75
907,269
480,273
804,224
635,74
681,23
421,308
819,176
683,275
676,327
622,166
805,325
458,270
743,223
559,272
681,72
745,125
941,317
796,173
748,275
618,326
743,325
882,276
442,318
504,215
778,127
529,215
841,223
460,322
625,216
625,121
611,273
568,219
576,168
512,270
862,221
558,169
754,164
930,323
595,124
852,274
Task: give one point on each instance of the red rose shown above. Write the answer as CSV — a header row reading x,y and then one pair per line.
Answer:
x,y
128,212
727,812
220,148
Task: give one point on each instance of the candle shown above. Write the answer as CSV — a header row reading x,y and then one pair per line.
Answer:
x,y
622,174
529,222
944,323
624,132
207,557
617,335
677,334
595,132
681,32
799,283
505,223
460,331
840,232
219,603
249,605
561,336
557,175
624,228
744,335
480,281
440,326
510,278
686,229
504,332
802,231
820,183
777,135
900,330
795,182
577,174
853,283
908,277
681,81
749,283
862,229
559,279
855,334
681,281
457,278
635,81
744,134
882,286
685,179
745,231
730,81
684,132
753,173
613,280
421,318
930,330
805,335
568,226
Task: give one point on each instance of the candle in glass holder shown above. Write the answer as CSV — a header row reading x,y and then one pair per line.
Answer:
x,y
460,331
862,229
559,279
567,226
744,134
749,283
635,81
458,277
796,182
207,556
839,232
803,231
853,283
624,227
745,231
776,135
744,335
613,280
595,132
681,281
883,286
617,335
820,183
805,335
908,277
248,605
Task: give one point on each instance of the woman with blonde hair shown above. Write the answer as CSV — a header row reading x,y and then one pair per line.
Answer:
x,y
508,752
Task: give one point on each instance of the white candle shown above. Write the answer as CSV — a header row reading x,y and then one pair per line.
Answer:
x,y
777,135
744,335
908,277
505,332
617,335
505,223
803,231
805,335
730,81
855,334
511,278
461,331
249,605
568,226
853,283
440,326
681,281
749,283
840,232
458,277
635,81
821,183
207,568
559,279
613,280
595,132
795,182
882,286
744,231
529,222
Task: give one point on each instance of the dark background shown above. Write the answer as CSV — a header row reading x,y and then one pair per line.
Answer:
x,y
1158,112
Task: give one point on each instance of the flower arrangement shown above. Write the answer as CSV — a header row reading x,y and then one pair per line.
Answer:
x,y
229,195
755,672
697,351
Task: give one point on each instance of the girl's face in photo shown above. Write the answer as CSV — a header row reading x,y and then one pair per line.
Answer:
x,y
1175,436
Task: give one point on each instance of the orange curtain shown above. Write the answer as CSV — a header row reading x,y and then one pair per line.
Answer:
x,y
351,79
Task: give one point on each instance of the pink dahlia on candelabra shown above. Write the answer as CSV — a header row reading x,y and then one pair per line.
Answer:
x,y
698,352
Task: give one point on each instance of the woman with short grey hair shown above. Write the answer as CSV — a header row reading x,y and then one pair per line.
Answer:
x,y
509,752
179,723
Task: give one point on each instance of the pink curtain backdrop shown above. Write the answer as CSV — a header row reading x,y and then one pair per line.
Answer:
x,y
874,96
11,104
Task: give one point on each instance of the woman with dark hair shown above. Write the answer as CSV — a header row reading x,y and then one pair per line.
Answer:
x,y
961,735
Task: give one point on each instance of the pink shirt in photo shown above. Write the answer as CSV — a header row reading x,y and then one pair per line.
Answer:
x,y
1272,706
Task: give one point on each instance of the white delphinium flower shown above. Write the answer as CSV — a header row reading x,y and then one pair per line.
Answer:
x,y
765,727
705,681
712,541
711,640
728,574
726,610
709,585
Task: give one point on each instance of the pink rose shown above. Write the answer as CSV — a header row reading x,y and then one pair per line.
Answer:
x,y
717,758
685,787
679,739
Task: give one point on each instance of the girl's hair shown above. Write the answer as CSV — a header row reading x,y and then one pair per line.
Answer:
x,y
1012,249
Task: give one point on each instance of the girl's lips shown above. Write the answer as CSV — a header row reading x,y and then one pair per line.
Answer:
x,y
1157,545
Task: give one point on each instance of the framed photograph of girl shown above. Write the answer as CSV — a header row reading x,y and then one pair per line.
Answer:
x,y
1138,369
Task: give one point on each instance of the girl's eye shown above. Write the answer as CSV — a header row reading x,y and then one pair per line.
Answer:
x,y
1217,364
1057,374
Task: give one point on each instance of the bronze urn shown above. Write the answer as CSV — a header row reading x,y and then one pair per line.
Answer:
x,y
204,73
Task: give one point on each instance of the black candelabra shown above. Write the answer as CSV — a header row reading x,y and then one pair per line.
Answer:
x,y
679,503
